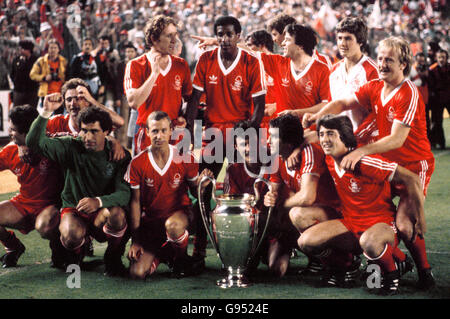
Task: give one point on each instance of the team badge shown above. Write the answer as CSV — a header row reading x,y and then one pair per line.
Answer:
x,y
354,187
308,88
237,86
391,114
109,170
176,180
177,84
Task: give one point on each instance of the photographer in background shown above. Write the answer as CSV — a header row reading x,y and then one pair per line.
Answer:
x,y
50,72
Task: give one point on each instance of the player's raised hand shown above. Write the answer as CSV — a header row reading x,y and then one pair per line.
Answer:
x,y
205,172
83,92
52,102
204,41
351,159
308,119
155,60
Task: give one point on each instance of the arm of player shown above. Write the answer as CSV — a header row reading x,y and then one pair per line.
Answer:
x,y
260,103
205,42
307,194
52,148
334,107
192,110
117,150
136,250
413,202
399,133
117,120
137,96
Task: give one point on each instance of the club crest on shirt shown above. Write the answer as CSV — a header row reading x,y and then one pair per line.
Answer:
x,y
354,187
212,79
176,180
237,86
308,88
269,80
177,83
109,170
391,114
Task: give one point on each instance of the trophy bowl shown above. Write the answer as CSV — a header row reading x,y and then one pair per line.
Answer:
x,y
233,230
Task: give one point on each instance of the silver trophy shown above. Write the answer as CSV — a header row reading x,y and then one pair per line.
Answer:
x,y
233,230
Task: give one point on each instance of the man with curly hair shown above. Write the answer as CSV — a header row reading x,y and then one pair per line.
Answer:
x,y
157,80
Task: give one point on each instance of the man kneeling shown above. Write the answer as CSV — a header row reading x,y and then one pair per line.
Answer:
x,y
367,209
160,206
95,195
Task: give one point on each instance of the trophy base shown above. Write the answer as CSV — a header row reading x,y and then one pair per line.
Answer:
x,y
239,281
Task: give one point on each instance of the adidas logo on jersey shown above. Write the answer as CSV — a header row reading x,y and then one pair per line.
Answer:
x,y
285,82
212,79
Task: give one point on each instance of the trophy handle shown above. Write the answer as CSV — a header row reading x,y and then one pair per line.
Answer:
x,y
269,213
203,212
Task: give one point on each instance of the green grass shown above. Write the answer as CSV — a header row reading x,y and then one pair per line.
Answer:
x,y
34,279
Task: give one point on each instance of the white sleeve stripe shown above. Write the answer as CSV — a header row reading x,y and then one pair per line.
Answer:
x,y
366,129
127,80
134,186
259,93
309,159
378,163
197,87
409,116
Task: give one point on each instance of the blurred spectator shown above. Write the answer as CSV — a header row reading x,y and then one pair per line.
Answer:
x,y
88,68
439,86
46,35
122,43
25,89
50,72
126,133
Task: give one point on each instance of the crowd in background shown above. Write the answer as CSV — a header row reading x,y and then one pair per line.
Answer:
x,y
112,25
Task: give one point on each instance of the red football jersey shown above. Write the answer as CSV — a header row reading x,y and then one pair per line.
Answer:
x,y
323,58
309,87
59,125
165,190
366,192
403,105
40,185
229,91
313,162
172,84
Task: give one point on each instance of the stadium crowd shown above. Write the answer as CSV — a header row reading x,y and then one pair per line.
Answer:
x,y
111,76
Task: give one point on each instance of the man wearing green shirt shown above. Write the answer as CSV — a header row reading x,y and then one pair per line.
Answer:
x,y
95,194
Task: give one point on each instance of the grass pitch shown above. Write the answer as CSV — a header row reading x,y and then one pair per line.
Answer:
x,y
33,278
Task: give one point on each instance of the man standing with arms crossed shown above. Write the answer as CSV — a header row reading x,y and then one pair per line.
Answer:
x,y
400,117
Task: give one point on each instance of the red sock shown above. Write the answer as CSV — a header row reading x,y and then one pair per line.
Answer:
x,y
180,244
385,260
113,237
418,252
11,243
398,254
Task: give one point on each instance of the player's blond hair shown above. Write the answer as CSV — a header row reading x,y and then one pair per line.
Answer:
x,y
401,46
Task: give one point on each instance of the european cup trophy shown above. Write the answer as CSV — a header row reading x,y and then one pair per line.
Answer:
x,y
233,230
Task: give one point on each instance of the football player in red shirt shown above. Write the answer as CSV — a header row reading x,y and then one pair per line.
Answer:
x,y
160,206
231,80
157,80
367,208
36,205
400,116
305,195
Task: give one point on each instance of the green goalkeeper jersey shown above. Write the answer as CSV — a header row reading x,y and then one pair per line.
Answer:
x,y
86,173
